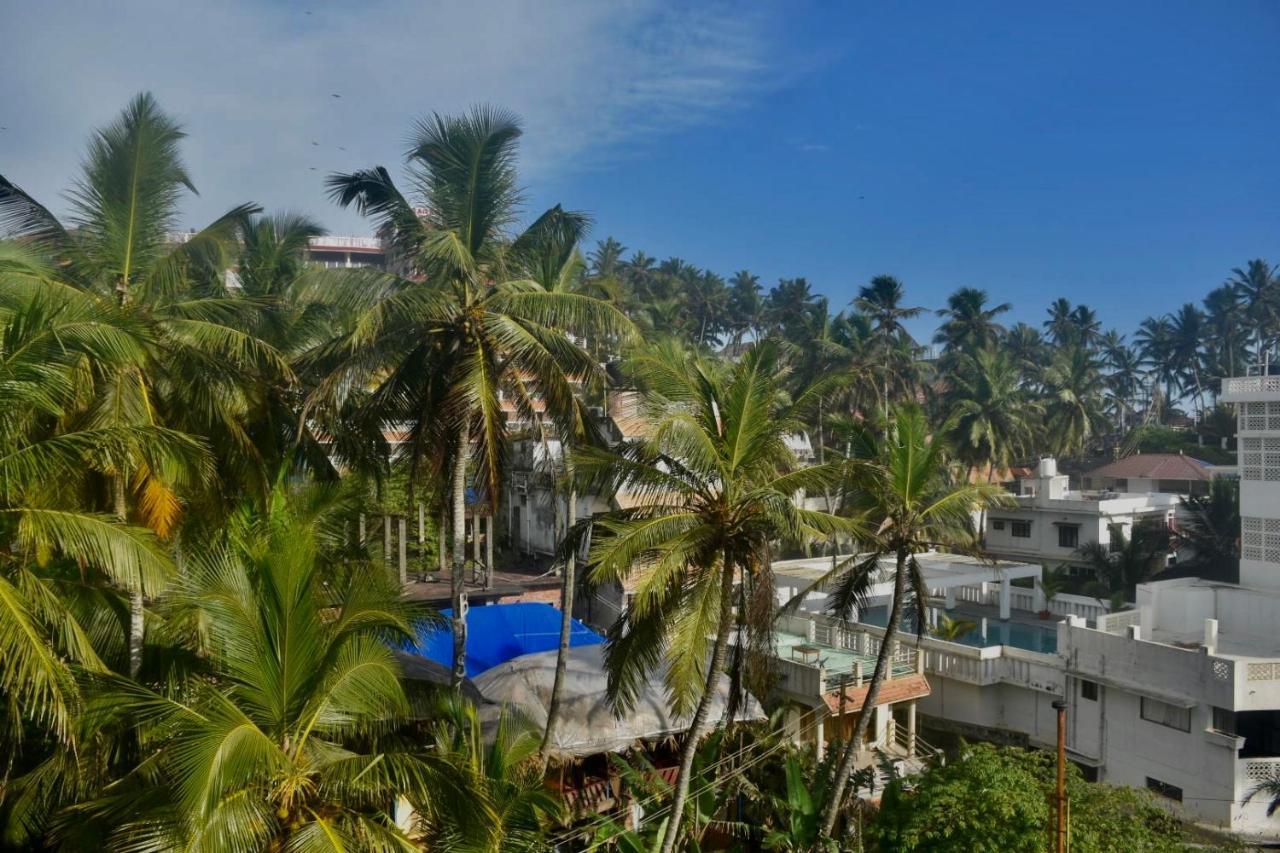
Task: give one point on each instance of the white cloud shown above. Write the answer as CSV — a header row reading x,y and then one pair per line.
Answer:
x,y
252,81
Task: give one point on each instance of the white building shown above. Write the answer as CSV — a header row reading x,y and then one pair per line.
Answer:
x,y
1179,695
1050,523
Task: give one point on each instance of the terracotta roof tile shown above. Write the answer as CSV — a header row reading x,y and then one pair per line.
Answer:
x,y
1155,466
891,691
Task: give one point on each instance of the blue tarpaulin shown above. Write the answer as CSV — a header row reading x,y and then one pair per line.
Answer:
x,y
499,632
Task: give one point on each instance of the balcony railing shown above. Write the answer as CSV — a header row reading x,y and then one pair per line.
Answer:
x,y
1251,385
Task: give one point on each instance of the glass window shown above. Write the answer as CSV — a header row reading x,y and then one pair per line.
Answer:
x,y
1068,536
1164,714
1224,720
997,524
1021,529
1164,789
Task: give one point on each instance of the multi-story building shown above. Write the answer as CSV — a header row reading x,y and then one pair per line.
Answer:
x,y
335,251
1179,694
1049,522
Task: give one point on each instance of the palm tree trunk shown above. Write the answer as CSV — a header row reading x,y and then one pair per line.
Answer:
x,y
137,627
868,705
458,620
566,627
699,724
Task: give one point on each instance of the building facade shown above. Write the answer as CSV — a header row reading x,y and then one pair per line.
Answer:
x,y
1049,522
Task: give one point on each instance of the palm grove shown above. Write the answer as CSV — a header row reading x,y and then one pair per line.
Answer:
x,y
197,650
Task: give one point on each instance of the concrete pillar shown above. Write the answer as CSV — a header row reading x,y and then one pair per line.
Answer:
x,y
488,543
386,540
362,530
951,598
1004,598
1211,635
911,728
983,626
1135,632
422,525
821,742
811,630
443,536
404,552
475,539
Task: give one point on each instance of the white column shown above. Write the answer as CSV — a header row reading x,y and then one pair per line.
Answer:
x,y
422,524
911,727
386,540
1004,598
821,742
362,531
1211,635
404,552
951,598
983,626
475,538
488,543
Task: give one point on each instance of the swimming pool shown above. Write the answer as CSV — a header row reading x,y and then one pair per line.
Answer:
x,y
1033,638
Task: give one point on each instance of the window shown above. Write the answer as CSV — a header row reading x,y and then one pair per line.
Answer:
x,y
1089,690
1121,484
1068,536
1115,532
997,524
1021,530
1164,789
1224,721
1162,713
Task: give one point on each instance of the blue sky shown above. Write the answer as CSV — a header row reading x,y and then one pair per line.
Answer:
x,y
1120,154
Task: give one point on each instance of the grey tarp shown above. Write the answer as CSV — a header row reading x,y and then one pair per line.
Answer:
x,y
587,723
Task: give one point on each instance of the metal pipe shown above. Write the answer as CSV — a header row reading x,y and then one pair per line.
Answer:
x,y
1060,706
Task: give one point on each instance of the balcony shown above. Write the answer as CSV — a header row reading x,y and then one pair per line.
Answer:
x,y
1239,389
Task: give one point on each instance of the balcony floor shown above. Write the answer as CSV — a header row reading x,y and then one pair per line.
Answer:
x,y
836,661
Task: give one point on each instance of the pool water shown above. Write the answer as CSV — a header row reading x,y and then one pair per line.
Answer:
x,y
1033,638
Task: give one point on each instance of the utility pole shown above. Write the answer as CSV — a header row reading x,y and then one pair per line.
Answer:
x,y
1060,705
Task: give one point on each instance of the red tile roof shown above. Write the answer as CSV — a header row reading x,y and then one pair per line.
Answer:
x,y
1155,466
891,691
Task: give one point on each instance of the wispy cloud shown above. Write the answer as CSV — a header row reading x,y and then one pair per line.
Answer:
x,y
253,81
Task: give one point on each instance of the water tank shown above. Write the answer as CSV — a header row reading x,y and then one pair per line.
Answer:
x,y
1048,467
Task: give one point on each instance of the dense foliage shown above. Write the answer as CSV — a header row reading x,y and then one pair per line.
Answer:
x,y
195,648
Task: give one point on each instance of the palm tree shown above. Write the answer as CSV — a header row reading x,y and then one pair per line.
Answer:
x,y
786,303
1269,788
882,299
1123,380
285,734
969,325
1258,284
746,307
1026,347
1061,327
501,771
1225,323
56,543
1073,409
714,484
991,418
1128,560
444,349
913,506
193,373
1209,528
952,630
1186,329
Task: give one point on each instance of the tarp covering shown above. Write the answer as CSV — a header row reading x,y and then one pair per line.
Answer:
x,y
499,632
587,725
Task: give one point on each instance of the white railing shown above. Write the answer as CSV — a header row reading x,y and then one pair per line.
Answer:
x,y
1251,384
1119,623
341,242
